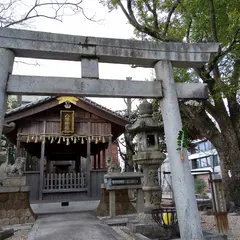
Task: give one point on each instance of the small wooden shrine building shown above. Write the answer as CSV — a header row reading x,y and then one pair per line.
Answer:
x,y
66,141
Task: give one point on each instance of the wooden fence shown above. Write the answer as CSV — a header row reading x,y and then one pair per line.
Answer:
x,y
65,182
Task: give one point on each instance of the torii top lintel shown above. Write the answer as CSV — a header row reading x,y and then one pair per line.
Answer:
x,y
44,45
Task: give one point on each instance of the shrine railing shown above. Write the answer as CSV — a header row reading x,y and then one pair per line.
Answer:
x,y
64,182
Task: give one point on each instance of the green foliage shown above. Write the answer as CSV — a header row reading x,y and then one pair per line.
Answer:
x,y
200,185
11,103
198,21
183,139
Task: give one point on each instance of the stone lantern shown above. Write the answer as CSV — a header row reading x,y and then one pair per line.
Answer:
x,y
149,154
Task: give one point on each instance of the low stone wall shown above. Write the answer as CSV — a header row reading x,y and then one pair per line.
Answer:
x,y
15,206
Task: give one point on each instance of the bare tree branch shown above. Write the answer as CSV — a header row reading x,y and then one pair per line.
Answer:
x,y
169,19
224,52
189,30
9,11
153,10
30,64
122,155
142,28
213,21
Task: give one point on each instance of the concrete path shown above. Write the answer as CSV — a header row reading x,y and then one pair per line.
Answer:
x,y
71,226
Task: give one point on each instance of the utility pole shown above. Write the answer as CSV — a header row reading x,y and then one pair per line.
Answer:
x,y
128,161
19,100
128,101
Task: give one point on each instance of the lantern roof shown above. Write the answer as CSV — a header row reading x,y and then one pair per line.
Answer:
x,y
145,122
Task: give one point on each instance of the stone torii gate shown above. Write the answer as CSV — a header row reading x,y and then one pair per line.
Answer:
x,y
90,51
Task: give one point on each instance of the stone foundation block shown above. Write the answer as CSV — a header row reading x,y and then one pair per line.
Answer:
x,y
152,230
123,204
15,206
211,236
14,181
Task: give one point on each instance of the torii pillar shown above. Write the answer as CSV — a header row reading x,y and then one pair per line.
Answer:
x,y
182,181
6,66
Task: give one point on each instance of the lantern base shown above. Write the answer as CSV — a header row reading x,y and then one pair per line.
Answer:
x,y
146,225
153,230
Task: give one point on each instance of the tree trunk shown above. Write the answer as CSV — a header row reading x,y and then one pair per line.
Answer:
x,y
226,143
230,166
129,153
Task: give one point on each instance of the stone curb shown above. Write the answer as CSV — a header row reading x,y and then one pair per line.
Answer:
x,y
17,227
139,236
6,233
110,231
33,232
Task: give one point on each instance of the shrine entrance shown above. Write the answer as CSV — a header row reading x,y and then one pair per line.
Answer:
x,y
90,51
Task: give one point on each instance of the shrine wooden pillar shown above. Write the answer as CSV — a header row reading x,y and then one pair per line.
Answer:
x,y
95,161
42,163
110,147
89,162
104,158
6,66
78,164
18,150
99,159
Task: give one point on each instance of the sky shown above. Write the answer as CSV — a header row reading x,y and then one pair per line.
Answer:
x,y
108,24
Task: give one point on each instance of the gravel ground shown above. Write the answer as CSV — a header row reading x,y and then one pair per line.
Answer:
x,y
208,223
19,235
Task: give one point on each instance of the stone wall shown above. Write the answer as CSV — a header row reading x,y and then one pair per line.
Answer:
x,y
14,206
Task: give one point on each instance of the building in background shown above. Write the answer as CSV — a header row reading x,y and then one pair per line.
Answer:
x,y
203,160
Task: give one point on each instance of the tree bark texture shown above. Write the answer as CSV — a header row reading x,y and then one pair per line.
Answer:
x,y
226,143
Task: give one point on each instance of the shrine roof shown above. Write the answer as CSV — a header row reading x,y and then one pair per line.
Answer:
x,y
40,101
9,114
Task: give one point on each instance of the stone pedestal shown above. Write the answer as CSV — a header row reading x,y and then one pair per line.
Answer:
x,y
14,202
123,205
150,162
14,181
